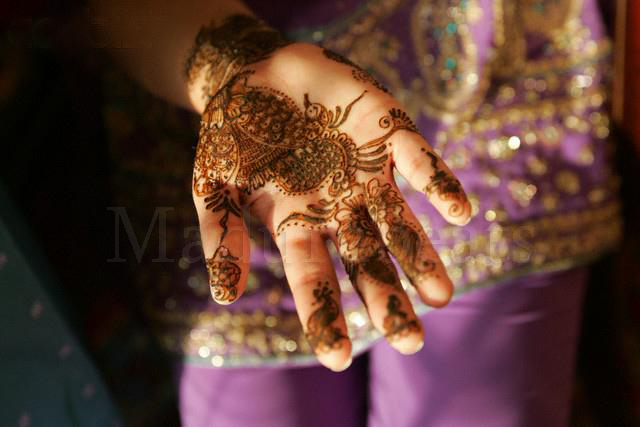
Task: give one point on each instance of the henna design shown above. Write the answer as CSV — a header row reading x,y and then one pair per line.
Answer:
x,y
369,157
256,135
405,244
360,245
399,118
222,50
321,334
224,275
253,135
385,206
446,187
356,71
397,323
222,202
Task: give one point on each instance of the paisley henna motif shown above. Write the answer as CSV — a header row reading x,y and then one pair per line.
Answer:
x,y
359,243
254,135
321,334
397,323
251,136
446,187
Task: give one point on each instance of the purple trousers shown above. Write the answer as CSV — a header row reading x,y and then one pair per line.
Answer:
x,y
501,356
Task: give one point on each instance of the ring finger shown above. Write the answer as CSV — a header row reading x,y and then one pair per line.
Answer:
x,y
374,276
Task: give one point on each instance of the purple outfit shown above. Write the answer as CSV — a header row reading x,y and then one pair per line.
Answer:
x,y
513,95
503,356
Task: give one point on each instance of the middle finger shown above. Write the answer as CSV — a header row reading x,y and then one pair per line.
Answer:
x,y
374,276
408,242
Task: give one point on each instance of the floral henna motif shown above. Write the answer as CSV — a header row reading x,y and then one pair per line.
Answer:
x,y
404,240
397,323
224,275
446,187
321,334
222,50
253,135
360,246
369,157
356,71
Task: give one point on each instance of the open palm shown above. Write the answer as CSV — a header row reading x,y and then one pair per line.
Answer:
x,y
308,142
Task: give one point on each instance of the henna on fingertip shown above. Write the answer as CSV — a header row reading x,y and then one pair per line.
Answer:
x,y
224,275
321,333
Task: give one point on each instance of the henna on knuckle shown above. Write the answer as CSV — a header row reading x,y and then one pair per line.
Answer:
x,y
397,323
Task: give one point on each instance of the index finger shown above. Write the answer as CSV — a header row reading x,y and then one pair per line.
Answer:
x,y
427,173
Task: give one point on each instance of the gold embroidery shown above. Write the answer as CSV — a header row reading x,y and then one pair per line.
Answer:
x,y
540,104
447,56
495,119
226,338
555,22
567,182
369,47
522,192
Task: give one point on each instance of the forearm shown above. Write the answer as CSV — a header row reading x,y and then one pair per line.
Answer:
x,y
153,39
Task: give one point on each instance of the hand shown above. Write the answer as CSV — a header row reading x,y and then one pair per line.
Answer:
x,y
308,142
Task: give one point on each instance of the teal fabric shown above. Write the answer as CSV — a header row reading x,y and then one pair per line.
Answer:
x,y
46,378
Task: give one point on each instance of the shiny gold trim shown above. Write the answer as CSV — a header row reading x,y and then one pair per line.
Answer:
x,y
512,23
564,110
503,252
450,71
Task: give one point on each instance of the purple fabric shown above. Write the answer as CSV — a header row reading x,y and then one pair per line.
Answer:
x,y
266,397
548,200
501,356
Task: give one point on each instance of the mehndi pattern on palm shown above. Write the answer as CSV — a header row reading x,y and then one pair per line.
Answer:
x,y
254,135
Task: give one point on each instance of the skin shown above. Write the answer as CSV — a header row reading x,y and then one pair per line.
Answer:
x,y
339,188
306,142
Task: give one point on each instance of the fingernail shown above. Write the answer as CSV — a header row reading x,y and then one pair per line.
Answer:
x,y
346,365
436,295
409,350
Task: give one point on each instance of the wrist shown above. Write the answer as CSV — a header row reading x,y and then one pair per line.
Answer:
x,y
221,50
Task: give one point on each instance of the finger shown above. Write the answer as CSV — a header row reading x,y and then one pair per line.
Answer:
x,y
407,241
374,277
225,242
427,173
315,290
